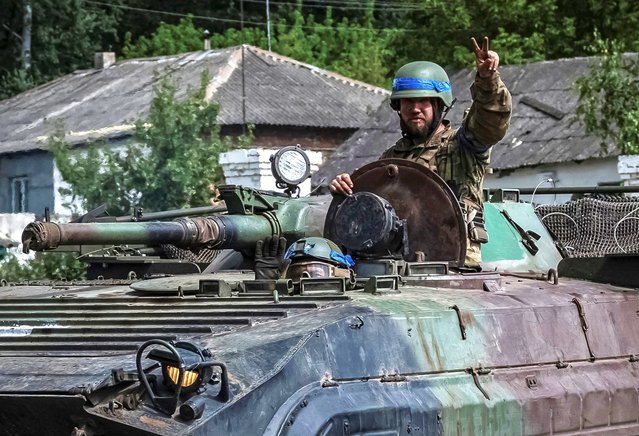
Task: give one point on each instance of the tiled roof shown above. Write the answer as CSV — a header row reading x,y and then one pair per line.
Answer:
x,y
542,130
105,102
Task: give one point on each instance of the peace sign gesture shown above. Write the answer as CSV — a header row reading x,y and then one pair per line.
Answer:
x,y
487,60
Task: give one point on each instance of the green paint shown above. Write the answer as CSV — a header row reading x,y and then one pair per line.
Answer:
x,y
503,240
505,249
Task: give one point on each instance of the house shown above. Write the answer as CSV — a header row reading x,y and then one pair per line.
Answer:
x,y
544,140
288,102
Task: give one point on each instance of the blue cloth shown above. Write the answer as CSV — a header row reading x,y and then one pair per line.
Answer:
x,y
410,83
344,260
466,143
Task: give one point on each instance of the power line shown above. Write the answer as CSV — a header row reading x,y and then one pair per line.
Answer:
x,y
229,20
378,6
173,14
355,3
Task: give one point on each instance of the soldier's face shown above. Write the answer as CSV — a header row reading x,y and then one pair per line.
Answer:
x,y
417,114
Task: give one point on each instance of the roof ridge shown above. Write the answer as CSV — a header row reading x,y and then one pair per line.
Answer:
x,y
331,75
223,74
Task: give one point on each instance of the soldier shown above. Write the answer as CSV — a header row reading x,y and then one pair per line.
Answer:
x,y
307,257
422,96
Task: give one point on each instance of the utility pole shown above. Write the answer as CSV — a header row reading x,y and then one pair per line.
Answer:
x,y
268,26
241,14
26,36
243,89
243,70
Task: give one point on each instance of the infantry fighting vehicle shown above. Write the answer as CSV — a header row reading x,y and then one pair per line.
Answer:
x,y
411,342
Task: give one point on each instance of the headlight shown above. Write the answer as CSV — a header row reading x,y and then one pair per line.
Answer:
x,y
194,374
290,167
186,368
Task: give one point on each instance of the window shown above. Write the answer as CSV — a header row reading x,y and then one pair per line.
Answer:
x,y
19,186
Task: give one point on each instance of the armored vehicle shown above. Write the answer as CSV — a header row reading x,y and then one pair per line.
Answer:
x,y
405,341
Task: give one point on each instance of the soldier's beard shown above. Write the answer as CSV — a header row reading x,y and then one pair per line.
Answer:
x,y
418,134
423,134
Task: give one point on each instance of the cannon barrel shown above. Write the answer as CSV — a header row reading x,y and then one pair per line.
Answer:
x,y
293,219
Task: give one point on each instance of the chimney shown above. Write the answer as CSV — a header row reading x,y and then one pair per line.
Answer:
x,y
104,59
207,40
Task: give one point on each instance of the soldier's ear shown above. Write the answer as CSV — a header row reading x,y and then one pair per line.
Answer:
x,y
394,104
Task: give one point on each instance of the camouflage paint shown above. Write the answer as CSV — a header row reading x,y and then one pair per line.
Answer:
x,y
375,362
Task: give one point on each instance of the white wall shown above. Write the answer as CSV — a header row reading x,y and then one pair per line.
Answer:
x,y
11,226
588,173
628,169
252,168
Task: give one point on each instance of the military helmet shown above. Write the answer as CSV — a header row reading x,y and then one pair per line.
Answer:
x,y
316,257
320,249
421,79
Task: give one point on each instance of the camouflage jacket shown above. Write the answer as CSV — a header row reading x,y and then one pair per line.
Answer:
x,y
461,156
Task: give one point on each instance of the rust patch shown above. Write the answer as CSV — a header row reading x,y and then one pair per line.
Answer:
x,y
467,317
430,345
424,342
154,422
437,351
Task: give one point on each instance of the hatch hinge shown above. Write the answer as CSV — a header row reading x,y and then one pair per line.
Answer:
x,y
584,326
329,383
392,378
476,372
462,326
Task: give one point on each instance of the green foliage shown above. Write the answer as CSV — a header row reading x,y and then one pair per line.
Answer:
x,y
167,39
171,162
15,82
354,49
65,35
614,21
184,37
520,31
609,98
233,37
45,266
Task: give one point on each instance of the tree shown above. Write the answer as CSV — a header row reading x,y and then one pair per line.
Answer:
x,y
170,163
520,30
45,266
609,97
65,36
613,21
166,39
353,48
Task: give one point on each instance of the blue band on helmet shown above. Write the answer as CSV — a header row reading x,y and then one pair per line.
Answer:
x,y
342,259
290,252
412,83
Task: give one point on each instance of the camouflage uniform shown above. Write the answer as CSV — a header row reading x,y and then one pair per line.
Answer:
x,y
461,156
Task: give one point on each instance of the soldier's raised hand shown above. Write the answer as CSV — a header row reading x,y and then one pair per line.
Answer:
x,y
487,60
269,258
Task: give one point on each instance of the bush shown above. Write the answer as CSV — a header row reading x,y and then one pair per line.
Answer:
x,y
45,266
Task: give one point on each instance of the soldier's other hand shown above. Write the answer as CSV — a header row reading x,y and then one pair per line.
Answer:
x,y
342,184
269,258
487,60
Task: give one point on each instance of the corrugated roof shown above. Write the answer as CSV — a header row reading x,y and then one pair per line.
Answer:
x,y
542,130
279,91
